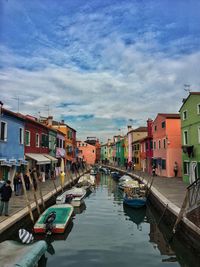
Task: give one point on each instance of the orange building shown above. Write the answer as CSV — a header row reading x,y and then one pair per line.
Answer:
x,y
86,152
167,144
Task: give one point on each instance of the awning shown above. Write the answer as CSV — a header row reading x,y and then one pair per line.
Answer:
x,y
6,163
54,160
39,158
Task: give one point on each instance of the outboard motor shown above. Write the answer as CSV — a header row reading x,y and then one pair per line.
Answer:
x,y
49,222
68,198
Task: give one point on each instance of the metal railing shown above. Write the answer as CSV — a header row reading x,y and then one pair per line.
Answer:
x,y
193,195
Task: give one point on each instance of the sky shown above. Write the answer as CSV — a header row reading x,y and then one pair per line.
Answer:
x,y
98,64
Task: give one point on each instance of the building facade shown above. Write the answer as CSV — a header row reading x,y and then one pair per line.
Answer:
x,y
190,133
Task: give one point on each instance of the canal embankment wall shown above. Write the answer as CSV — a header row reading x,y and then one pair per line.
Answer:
x,y
186,230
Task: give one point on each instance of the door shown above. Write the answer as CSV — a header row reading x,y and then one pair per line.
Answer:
x,y
193,171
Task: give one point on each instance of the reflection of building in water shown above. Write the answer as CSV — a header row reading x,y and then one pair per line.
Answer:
x,y
157,237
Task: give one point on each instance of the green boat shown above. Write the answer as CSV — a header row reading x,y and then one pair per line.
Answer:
x,y
59,222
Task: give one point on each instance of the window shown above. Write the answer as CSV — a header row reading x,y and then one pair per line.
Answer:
x,y
185,137
57,142
184,114
21,136
198,109
164,143
37,140
147,145
151,144
3,133
163,164
199,134
186,167
155,128
45,141
154,145
159,146
61,143
27,138
163,124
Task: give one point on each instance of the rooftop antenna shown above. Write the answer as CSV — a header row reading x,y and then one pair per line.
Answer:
x,y
187,87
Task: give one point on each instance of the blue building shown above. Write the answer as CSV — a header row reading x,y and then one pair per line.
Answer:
x,y
11,144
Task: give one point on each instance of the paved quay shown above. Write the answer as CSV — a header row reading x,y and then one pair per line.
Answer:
x,y
18,204
174,189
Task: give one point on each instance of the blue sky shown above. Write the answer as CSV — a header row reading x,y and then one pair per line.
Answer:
x,y
98,64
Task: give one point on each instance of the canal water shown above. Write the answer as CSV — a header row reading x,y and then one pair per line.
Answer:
x,y
105,233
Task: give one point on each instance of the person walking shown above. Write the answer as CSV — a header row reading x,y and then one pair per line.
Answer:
x,y
6,193
27,182
62,178
175,169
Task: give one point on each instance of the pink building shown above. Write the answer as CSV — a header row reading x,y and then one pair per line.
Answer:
x,y
86,152
167,144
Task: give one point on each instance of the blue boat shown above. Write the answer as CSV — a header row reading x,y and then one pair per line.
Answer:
x,y
134,198
115,175
135,202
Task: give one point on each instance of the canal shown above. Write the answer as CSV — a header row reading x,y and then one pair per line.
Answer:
x,y
105,233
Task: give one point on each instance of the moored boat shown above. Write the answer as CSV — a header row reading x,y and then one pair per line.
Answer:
x,y
134,198
75,196
63,214
13,253
115,175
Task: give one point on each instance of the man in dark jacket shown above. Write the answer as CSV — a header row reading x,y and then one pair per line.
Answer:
x,y
6,193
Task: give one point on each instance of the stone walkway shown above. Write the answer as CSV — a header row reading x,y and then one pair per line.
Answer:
x,y
18,203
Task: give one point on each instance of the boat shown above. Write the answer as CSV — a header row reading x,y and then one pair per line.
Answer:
x,y
93,172
128,184
63,214
13,253
125,178
86,179
134,198
75,196
115,175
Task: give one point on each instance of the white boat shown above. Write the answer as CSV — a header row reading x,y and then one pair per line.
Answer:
x,y
74,196
125,178
128,184
87,179
13,253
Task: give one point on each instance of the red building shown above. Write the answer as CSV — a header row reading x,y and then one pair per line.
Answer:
x,y
36,145
147,149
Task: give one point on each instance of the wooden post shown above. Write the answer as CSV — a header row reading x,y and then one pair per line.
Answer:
x,y
34,194
39,187
27,200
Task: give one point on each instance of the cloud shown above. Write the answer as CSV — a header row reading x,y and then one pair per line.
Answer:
x,y
97,65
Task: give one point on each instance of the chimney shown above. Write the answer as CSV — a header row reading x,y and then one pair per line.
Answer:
x,y
129,127
50,120
62,121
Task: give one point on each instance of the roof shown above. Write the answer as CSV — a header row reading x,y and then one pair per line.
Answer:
x,y
186,99
139,129
57,123
169,115
13,114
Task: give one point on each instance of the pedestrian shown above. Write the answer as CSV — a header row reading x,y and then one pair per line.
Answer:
x,y
18,184
62,178
129,165
33,174
27,182
6,193
175,169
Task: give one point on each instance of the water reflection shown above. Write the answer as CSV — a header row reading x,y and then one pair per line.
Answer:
x,y
80,209
136,215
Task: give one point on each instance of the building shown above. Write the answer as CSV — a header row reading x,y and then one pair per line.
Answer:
x,y
95,142
190,133
86,152
167,144
11,144
37,145
136,155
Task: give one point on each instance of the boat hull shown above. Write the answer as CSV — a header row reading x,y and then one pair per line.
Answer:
x,y
63,215
135,202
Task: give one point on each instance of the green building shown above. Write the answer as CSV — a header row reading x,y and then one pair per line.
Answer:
x,y
104,153
190,131
120,152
